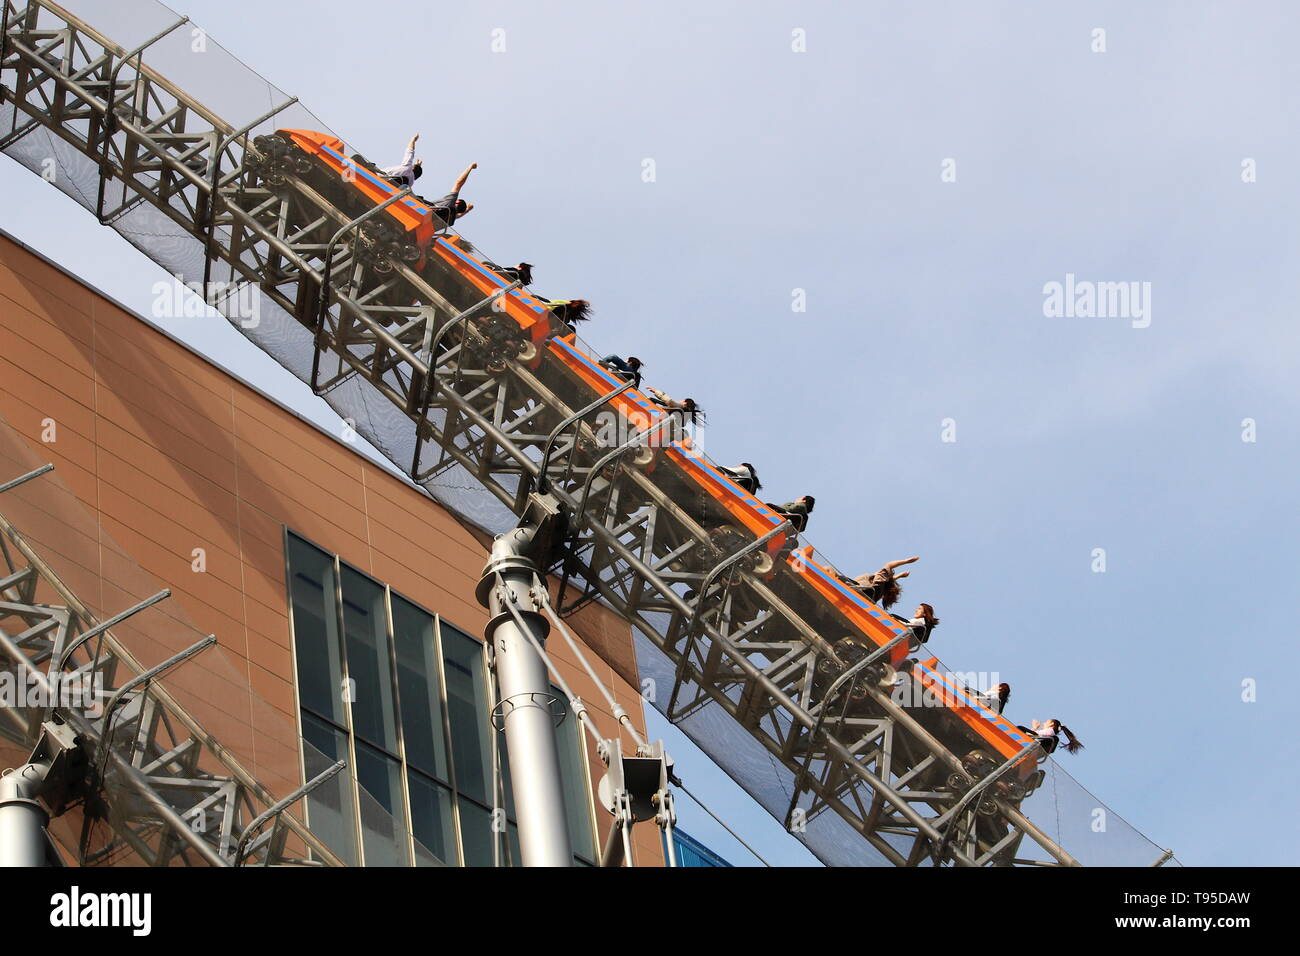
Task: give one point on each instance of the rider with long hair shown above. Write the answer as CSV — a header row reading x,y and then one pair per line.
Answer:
x,y
1048,733
882,587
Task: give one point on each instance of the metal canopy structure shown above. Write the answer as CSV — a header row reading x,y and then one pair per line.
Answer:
x,y
410,359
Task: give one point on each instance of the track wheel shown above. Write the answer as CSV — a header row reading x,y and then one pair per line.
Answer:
x,y
271,146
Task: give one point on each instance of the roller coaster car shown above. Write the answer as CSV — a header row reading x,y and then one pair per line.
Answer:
x,y
407,231
732,517
961,720
875,628
717,502
403,231
725,504
466,280
965,724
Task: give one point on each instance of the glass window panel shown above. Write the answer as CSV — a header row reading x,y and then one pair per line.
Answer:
x,y
417,689
383,815
476,833
432,821
315,630
329,806
468,710
365,625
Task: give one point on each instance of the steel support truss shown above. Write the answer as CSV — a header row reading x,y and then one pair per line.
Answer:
x,y
741,641
164,786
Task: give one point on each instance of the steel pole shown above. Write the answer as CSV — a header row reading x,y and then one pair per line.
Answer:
x,y
22,818
526,697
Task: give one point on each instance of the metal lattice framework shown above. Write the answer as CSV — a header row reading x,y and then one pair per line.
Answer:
x,y
637,539
166,789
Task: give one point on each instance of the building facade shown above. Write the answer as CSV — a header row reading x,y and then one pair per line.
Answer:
x,y
341,596
691,852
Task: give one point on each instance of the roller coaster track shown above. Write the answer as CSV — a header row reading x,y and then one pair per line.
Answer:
x,y
395,350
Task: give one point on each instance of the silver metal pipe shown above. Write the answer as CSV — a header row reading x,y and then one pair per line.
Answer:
x,y
22,479
701,594
525,700
22,818
280,805
615,707
66,654
549,446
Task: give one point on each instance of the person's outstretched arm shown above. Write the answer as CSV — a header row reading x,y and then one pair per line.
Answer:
x,y
460,183
898,564
406,165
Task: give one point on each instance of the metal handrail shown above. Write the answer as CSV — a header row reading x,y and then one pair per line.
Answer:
x,y
276,808
104,626
596,468
110,121
322,309
210,211
559,429
697,609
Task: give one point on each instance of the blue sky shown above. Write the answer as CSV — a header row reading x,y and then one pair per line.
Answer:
x,y
821,171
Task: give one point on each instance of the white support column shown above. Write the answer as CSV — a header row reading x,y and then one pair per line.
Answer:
x,y
526,699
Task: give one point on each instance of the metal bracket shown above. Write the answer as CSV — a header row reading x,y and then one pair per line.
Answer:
x,y
559,710
634,789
